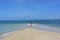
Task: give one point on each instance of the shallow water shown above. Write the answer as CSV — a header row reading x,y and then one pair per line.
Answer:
x,y
8,26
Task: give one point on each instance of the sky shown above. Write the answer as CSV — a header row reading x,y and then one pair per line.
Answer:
x,y
29,9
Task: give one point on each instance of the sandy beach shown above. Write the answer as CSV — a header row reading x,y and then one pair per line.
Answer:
x,y
33,34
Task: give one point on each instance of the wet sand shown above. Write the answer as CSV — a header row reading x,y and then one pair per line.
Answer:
x,y
33,34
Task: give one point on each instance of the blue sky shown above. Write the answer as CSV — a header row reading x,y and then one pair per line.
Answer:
x,y
29,9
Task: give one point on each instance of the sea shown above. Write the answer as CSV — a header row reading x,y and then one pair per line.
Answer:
x,y
10,26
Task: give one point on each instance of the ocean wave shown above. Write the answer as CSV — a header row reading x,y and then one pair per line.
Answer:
x,y
30,24
45,27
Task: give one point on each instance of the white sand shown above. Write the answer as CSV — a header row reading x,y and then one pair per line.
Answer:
x,y
33,34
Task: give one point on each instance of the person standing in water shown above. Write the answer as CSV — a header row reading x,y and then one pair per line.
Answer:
x,y
31,24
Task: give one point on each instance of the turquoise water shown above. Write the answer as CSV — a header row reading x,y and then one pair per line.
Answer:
x,y
11,25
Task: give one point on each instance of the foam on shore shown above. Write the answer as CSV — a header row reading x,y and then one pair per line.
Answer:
x,y
6,34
